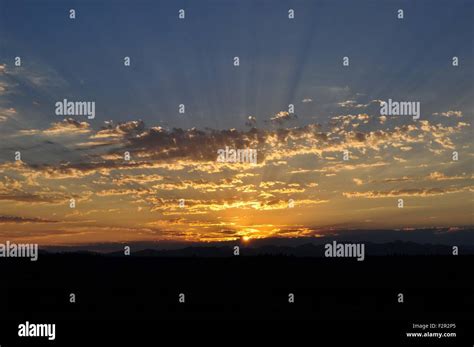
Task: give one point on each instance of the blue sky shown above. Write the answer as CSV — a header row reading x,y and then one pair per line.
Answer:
x,y
282,61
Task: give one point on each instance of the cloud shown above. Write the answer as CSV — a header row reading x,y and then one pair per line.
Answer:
x,y
282,117
33,198
355,104
137,178
417,192
438,176
251,121
457,114
159,144
123,129
433,176
193,207
196,150
38,76
350,167
67,126
23,220
3,87
350,104
169,164
7,113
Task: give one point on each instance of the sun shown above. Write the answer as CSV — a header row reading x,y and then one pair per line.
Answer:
x,y
245,238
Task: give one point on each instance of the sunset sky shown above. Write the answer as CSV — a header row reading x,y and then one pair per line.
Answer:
x,y
173,155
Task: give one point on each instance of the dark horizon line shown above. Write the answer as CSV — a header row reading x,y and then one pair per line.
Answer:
x,y
434,236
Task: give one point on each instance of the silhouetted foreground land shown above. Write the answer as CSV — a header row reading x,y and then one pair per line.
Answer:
x,y
437,289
